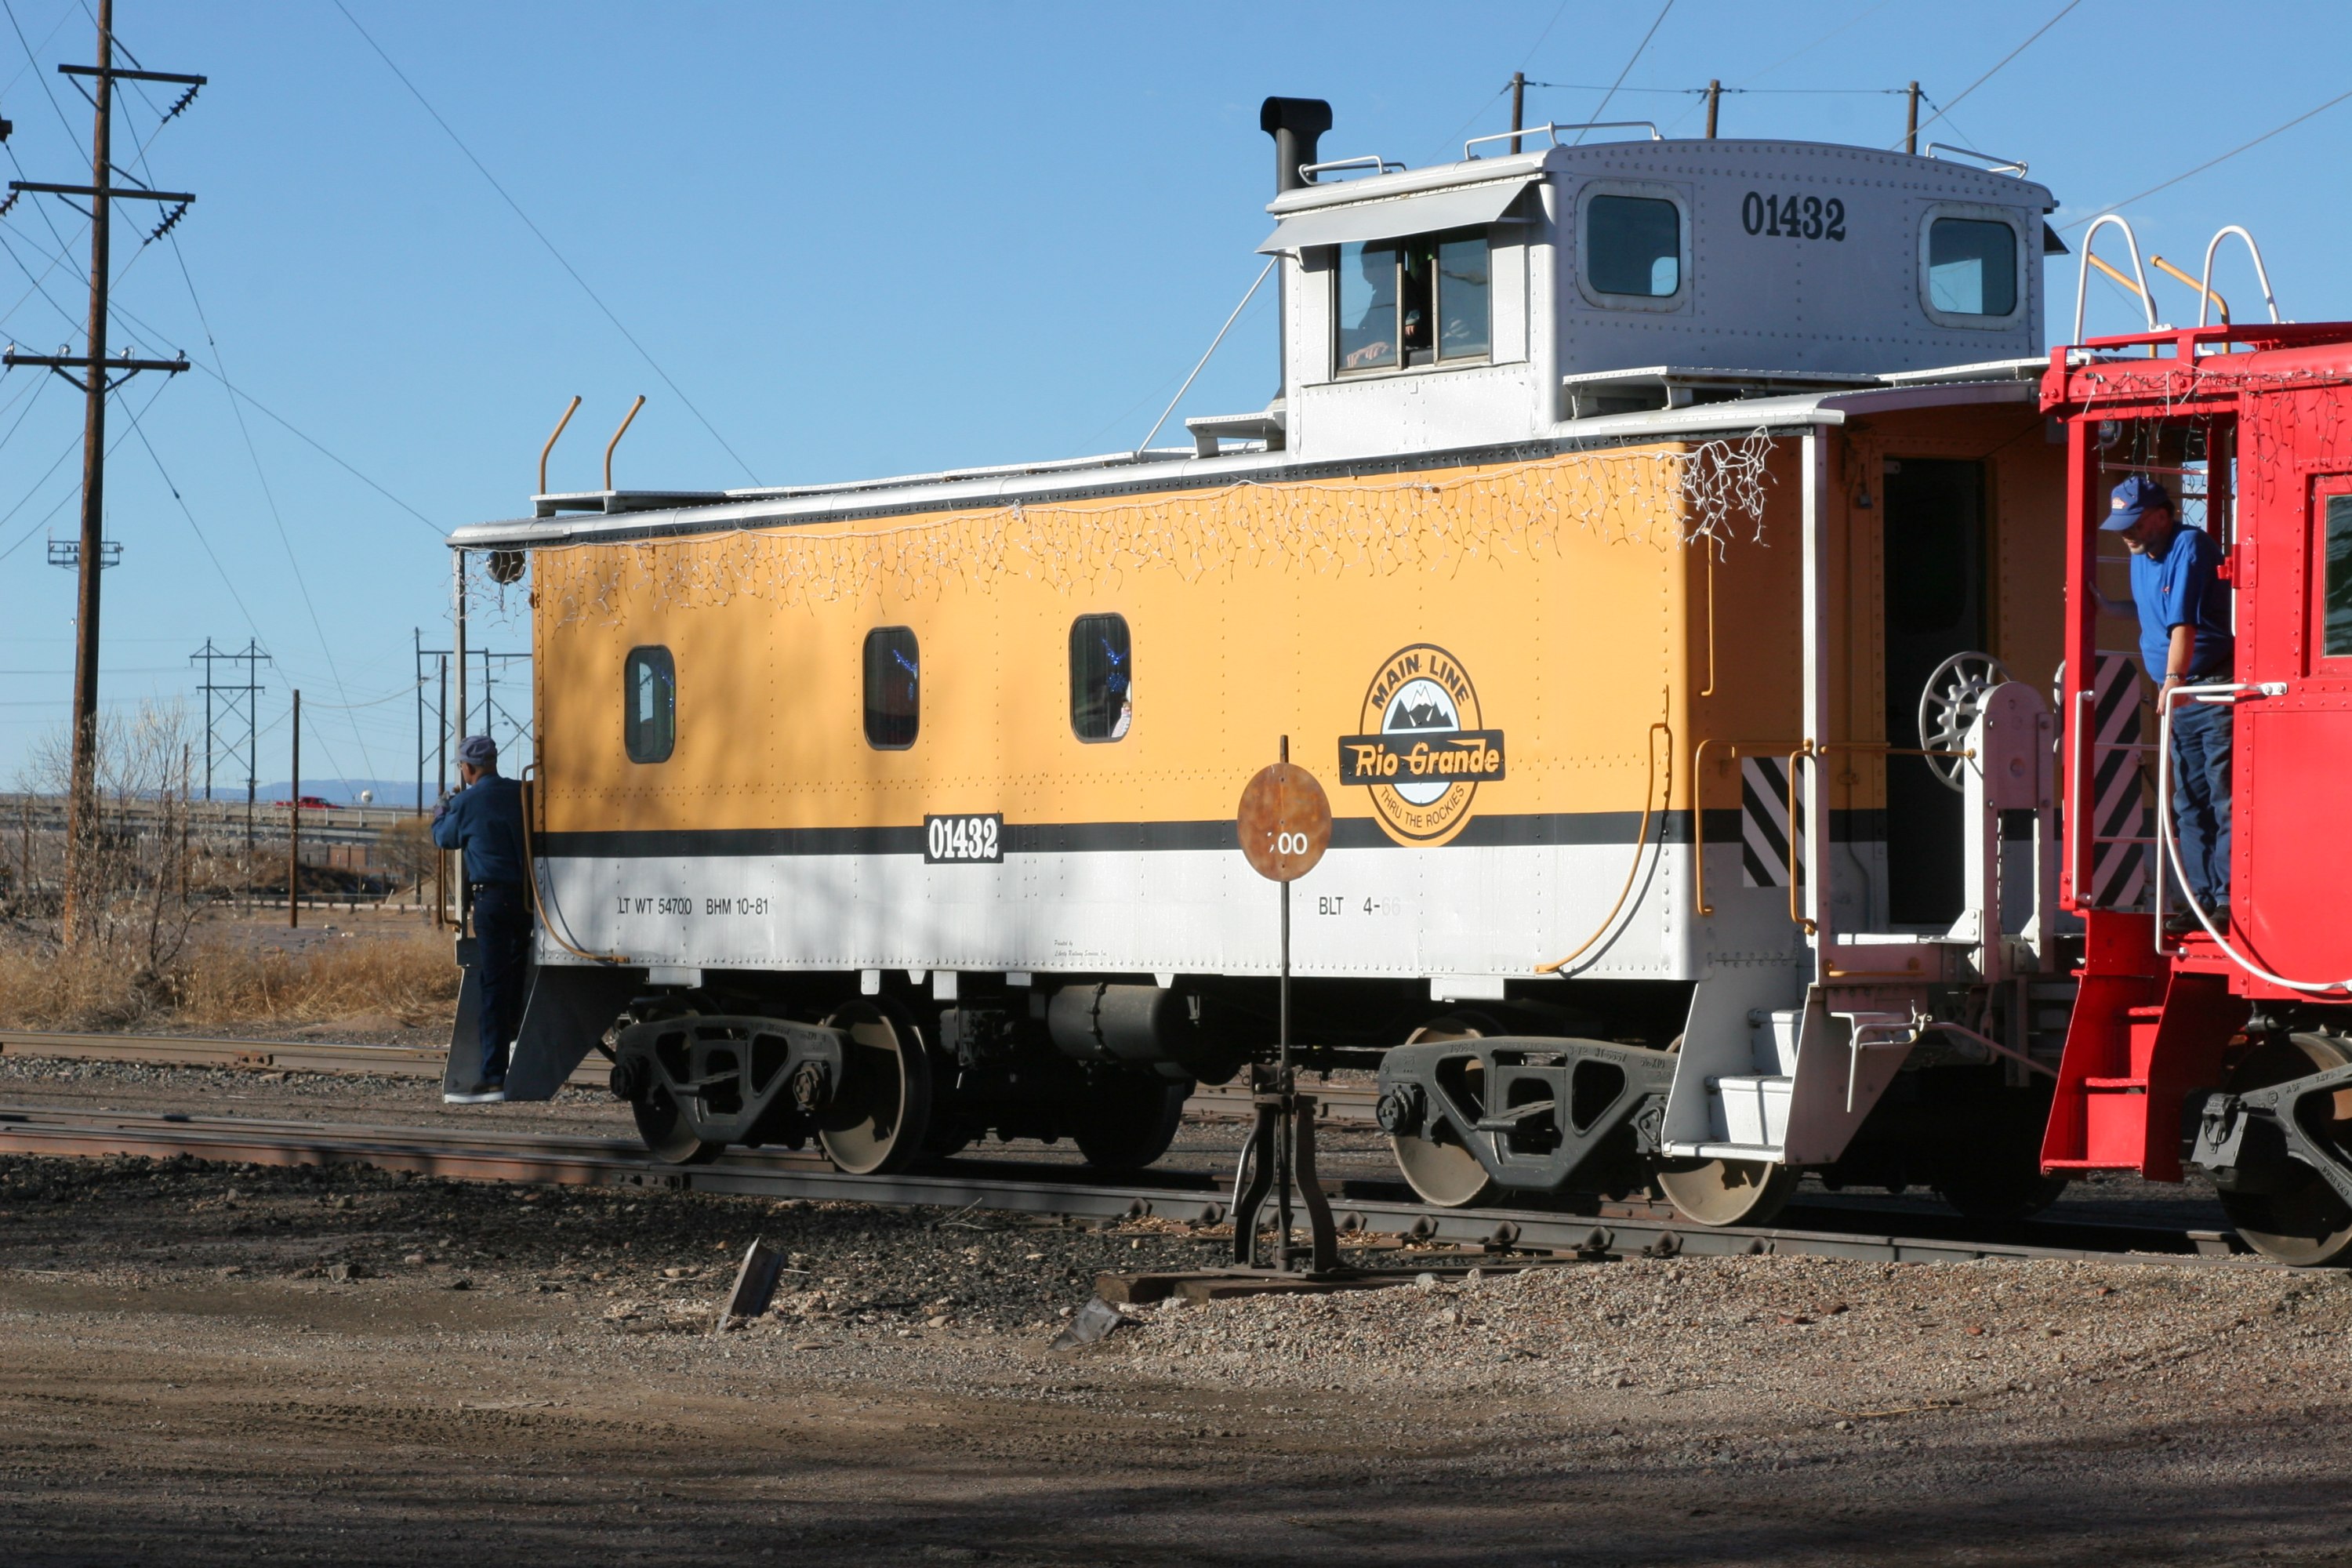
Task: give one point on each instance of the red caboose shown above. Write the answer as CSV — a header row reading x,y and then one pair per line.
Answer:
x,y
2230,1047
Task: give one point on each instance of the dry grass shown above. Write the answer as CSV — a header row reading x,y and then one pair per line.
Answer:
x,y
219,980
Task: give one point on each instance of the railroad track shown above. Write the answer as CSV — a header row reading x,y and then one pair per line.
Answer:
x,y
1339,1102
1190,1197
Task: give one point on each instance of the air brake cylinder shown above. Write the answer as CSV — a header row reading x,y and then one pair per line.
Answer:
x,y
1139,1026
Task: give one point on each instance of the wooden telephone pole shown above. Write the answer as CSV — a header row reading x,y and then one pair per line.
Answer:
x,y
100,373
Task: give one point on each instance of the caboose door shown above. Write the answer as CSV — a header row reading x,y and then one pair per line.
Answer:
x,y
2291,859
1934,607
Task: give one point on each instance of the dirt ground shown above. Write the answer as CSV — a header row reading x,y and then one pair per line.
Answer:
x,y
211,1365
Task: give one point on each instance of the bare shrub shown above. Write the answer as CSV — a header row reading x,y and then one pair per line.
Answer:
x,y
223,978
413,977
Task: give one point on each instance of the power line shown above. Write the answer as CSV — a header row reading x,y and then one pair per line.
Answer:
x,y
1701,93
34,60
549,244
1818,42
1538,43
269,495
230,584
1631,61
1997,65
154,339
2241,147
31,62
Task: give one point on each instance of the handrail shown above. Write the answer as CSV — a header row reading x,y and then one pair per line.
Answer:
x,y
615,441
1553,128
2077,821
551,439
1803,749
2261,272
2083,271
1641,842
2117,274
1994,164
1708,544
1698,812
531,868
2231,692
1379,165
2161,265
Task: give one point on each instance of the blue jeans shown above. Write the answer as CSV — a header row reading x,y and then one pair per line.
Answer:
x,y
2201,797
502,922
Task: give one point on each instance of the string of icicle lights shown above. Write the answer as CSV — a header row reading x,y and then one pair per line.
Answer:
x,y
1661,497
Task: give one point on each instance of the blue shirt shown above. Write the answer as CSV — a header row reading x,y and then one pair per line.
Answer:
x,y
485,820
2178,588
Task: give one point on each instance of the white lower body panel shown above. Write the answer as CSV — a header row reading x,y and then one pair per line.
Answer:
x,y
1370,912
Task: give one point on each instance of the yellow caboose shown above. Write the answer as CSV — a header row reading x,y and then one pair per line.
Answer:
x,y
1621,506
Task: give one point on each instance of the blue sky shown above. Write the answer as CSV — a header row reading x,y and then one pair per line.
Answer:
x,y
865,239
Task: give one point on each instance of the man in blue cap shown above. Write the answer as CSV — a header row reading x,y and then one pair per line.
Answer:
x,y
484,821
2184,640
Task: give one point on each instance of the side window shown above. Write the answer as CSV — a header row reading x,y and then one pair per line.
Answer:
x,y
650,705
1972,267
1634,246
894,688
1466,312
2335,579
1102,677
1421,300
1368,307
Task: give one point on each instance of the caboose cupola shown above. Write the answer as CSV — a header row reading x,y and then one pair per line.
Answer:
x,y
1493,299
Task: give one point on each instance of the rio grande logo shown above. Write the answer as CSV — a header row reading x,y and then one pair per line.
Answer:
x,y
1423,754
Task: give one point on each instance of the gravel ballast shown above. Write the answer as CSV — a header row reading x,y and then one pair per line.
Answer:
x,y
227,1364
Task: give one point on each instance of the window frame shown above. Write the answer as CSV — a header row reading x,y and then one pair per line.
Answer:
x,y
1437,361
1076,622
1975,213
1640,190
865,689
657,655
2318,663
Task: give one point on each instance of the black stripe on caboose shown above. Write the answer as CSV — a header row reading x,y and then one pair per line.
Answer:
x,y
1514,830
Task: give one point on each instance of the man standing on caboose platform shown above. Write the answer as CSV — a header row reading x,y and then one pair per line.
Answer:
x,y
484,821
2184,640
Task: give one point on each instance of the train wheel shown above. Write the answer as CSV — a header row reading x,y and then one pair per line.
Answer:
x,y
884,1112
1447,1174
1727,1192
1131,1121
2298,1218
664,1127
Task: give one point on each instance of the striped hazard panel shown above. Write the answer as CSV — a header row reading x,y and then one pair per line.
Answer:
x,y
2122,828
1771,811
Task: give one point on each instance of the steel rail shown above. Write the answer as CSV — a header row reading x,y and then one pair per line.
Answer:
x,y
1337,1103
1192,1198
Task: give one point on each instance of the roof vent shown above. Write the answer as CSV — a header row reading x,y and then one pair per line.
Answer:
x,y
1297,124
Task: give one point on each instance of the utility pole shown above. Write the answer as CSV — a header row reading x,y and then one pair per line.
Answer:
x,y
294,825
101,374
458,578
1911,120
1518,104
1713,100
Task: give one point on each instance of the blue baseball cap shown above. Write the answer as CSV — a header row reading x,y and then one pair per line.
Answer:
x,y
2133,496
479,750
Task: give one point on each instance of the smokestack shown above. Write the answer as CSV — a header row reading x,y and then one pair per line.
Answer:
x,y
1297,124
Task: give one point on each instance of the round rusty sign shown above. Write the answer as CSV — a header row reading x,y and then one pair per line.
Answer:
x,y
1285,822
